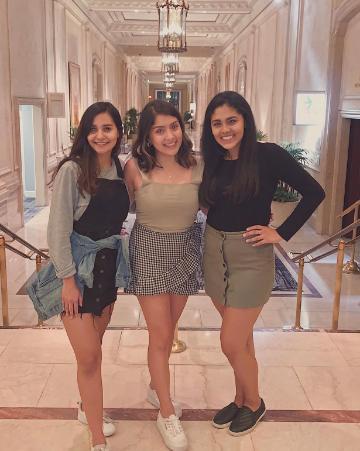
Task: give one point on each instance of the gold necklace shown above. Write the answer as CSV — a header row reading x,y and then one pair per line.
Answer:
x,y
170,176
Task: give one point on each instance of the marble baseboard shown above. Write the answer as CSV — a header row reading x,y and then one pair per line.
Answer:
x,y
118,414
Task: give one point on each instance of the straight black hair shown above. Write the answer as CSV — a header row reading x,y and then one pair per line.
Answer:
x,y
245,184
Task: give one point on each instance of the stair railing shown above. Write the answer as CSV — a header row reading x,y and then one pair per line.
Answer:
x,y
33,254
306,257
351,267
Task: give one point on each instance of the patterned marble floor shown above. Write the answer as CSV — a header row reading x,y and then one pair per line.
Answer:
x,y
309,381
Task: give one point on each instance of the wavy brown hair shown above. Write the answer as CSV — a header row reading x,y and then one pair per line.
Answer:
x,y
83,154
144,151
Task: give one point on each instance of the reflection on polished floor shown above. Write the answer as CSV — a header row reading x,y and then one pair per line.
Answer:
x,y
309,380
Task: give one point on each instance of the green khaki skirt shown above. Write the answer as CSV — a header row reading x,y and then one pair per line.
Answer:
x,y
236,274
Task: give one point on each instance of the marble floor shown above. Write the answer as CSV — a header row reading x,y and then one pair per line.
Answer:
x,y
309,380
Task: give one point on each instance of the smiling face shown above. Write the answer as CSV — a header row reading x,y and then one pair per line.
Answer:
x,y
227,126
103,134
166,135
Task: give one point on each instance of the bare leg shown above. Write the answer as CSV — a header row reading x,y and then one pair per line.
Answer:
x,y
102,322
237,344
239,396
177,305
157,313
86,343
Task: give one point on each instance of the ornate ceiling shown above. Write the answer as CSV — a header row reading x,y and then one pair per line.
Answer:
x,y
132,25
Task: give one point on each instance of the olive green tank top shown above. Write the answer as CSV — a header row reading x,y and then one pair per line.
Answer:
x,y
168,207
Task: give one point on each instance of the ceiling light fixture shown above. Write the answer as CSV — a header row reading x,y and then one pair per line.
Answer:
x,y
172,25
170,62
169,77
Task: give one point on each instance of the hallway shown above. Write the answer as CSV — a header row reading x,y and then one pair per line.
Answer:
x,y
296,63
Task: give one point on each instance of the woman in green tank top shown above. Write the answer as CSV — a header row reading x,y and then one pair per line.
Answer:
x,y
163,179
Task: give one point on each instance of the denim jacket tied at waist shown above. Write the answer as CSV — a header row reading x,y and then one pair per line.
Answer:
x,y
44,288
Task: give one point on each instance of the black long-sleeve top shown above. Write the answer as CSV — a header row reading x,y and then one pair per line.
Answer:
x,y
275,164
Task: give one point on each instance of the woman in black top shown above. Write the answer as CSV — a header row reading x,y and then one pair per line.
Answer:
x,y
240,178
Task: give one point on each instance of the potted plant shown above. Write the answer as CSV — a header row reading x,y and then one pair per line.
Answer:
x,y
260,135
286,198
130,123
72,133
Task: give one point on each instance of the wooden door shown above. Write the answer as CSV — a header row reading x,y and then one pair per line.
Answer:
x,y
352,185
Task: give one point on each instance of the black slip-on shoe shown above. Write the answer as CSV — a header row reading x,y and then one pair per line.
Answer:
x,y
246,419
225,416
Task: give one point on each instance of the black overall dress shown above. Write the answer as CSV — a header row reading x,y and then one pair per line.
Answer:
x,y
103,217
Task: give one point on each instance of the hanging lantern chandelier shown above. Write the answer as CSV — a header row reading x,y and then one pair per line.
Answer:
x,y
169,77
172,25
168,94
170,62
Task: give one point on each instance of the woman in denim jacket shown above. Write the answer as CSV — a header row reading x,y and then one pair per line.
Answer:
x,y
91,199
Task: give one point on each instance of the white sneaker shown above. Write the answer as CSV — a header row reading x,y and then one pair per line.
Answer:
x,y
105,447
153,399
108,425
172,432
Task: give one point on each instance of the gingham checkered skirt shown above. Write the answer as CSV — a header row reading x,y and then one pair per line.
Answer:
x,y
164,262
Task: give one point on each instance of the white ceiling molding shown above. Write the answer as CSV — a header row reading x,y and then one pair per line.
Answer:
x,y
211,26
191,29
197,6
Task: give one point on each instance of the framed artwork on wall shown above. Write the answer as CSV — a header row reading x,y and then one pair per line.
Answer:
x,y
74,95
310,108
175,98
310,115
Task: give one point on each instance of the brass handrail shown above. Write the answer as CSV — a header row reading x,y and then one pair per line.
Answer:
x,y
39,254
340,268
351,267
349,209
328,241
17,238
333,251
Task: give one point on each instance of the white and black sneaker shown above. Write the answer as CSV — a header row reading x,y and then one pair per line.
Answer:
x,y
246,419
172,433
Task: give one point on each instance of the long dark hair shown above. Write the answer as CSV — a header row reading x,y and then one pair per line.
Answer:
x,y
83,154
245,183
144,151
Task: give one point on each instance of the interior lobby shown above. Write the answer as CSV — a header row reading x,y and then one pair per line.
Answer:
x,y
297,64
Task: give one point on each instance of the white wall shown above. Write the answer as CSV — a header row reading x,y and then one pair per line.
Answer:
x,y
27,47
287,50
38,40
10,212
350,85
263,47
